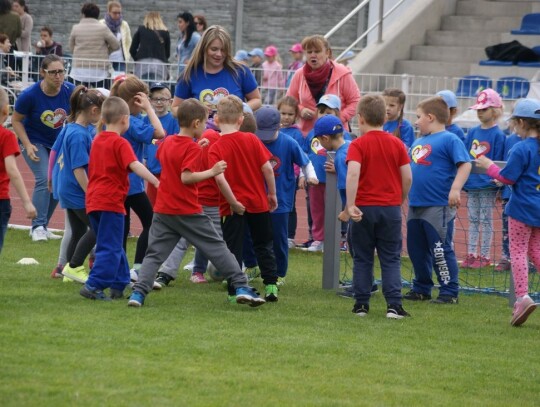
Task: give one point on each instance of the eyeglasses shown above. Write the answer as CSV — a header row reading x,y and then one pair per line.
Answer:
x,y
58,72
198,23
160,100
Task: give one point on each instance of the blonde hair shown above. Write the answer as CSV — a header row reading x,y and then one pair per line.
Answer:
x,y
230,109
372,108
126,88
437,107
191,110
153,21
198,57
112,4
113,109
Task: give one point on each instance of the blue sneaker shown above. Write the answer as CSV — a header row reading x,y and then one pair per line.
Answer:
x,y
136,299
246,295
93,293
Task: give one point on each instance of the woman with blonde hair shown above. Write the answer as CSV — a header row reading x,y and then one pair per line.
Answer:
x,y
151,48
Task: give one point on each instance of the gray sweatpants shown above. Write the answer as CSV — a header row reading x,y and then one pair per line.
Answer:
x,y
198,229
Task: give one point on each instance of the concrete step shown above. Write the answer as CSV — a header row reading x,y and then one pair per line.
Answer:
x,y
527,40
457,38
432,68
480,24
449,54
493,8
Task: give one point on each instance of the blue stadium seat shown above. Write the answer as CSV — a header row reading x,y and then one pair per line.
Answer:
x,y
512,87
472,85
532,64
492,62
530,25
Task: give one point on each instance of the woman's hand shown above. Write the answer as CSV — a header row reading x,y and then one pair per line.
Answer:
x,y
31,151
307,114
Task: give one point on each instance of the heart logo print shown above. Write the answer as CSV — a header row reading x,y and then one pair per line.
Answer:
x,y
55,119
479,148
420,153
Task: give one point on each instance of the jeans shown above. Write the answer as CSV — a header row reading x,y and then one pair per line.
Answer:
x,y
42,199
480,203
5,213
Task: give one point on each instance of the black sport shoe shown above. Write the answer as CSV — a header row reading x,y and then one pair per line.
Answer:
x,y
348,291
305,245
116,294
163,280
93,293
360,309
395,311
414,296
445,299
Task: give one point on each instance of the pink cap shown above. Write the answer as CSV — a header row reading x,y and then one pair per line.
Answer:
x,y
270,51
487,98
296,48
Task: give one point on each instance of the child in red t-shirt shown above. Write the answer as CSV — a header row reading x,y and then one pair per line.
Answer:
x,y
111,160
375,206
177,212
9,149
244,188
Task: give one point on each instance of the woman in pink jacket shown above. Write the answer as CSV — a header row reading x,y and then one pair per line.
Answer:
x,y
319,76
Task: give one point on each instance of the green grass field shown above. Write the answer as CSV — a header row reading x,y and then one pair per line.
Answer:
x,y
188,347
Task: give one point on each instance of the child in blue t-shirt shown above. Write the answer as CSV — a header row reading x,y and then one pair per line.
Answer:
x,y
134,92
522,172
440,166
451,100
328,105
395,123
285,154
289,111
71,178
484,140
160,99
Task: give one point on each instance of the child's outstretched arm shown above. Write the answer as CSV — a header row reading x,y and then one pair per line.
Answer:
x,y
454,197
138,168
351,188
189,177
406,181
492,170
268,174
227,192
17,181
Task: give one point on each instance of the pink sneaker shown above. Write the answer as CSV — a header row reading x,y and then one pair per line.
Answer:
x,y
523,307
198,278
480,262
503,265
469,261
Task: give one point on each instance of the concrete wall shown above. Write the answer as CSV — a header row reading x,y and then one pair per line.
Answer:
x,y
406,28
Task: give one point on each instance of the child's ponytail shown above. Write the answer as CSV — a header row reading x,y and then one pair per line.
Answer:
x,y
400,95
81,99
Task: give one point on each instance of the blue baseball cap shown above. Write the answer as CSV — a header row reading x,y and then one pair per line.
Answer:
x,y
256,52
449,97
332,101
328,125
157,86
268,122
241,55
527,108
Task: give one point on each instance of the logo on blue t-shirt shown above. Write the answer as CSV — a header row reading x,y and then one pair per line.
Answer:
x,y
317,148
420,153
210,98
479,148
275,162
55,119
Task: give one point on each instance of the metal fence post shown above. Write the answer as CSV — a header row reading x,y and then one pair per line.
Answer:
x,y
332,254
381,18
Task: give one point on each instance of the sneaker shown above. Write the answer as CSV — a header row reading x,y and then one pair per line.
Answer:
x,y
414,296
189,266
469,261
163,280
360,309
343,246
57,271
445,299
280,281
93,293
198,278
136,299
133,275
374,289
39,234
347,292
291,243
77,274
481,262
316,246
396,311
116,294
523,307
67,280
305,245
252,272
271,293
52,236
246,295
503,265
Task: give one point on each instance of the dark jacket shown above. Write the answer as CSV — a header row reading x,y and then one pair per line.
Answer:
x,y
150,44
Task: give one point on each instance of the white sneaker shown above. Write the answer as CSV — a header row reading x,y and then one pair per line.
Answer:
x,y
189,266
133,275
316,246
39,234
52,236
291,243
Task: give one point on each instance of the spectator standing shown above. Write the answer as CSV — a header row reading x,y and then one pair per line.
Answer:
x,y
120,28
297,63
46,45
151,48
91,44
189,37
200,23
273,79
27,23
10,23
257,57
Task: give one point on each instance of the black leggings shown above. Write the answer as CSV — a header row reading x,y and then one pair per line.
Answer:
x,y
83,237
143,209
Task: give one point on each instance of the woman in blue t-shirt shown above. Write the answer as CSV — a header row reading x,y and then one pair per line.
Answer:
x,y
38,116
